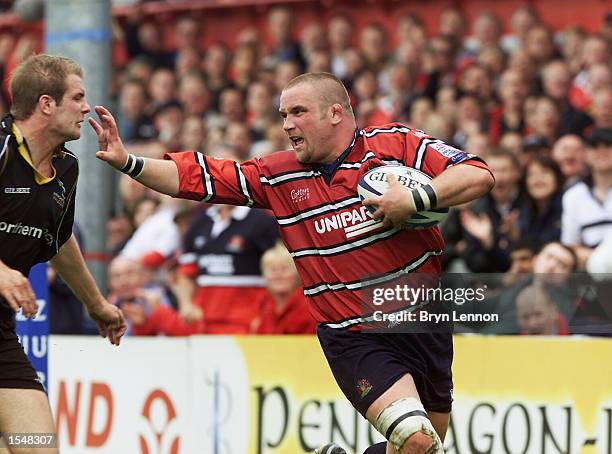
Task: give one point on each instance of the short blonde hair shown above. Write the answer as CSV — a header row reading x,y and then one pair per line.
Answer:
x,y
277,253
37,76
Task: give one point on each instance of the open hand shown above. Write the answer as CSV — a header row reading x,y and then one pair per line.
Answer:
x,y
509,225
479,226
111,147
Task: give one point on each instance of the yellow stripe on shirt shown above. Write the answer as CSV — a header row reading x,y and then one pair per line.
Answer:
x,y
25,153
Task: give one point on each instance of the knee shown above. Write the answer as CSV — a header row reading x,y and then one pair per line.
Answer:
x,y
417,443
407,427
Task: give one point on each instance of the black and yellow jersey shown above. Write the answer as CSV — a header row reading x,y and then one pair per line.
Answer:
x,y
36,212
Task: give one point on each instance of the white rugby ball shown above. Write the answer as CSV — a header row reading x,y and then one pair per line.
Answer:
x,y
374,183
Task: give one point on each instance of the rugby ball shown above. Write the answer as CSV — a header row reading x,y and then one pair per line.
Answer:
x,y
374,183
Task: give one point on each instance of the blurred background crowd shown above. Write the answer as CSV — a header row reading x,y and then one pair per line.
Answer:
x,y
534,102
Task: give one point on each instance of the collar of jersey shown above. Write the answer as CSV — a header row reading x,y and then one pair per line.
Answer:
x,y
327,170
24,151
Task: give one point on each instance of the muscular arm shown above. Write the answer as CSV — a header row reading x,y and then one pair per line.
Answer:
x,y
160,175
70,265
454,186
187,175
460,184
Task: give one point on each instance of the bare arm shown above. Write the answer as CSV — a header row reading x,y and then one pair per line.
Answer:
x,y
184,289
70,265
157,174
160,175
461,183
456,185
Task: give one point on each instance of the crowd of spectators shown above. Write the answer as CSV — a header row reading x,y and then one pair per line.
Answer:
x,y
536,104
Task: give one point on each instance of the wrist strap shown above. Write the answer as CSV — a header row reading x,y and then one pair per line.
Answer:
x,y
425,198
134,166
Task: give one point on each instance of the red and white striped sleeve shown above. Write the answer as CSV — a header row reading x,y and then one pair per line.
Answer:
x,y
216,180
433,156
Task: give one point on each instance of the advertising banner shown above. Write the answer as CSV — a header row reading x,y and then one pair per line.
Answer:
x,y
129,399
276,395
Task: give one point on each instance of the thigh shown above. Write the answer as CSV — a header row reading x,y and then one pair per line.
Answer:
x,y
366,365
26,411
440,422
404,387
362,364
16,371
24,407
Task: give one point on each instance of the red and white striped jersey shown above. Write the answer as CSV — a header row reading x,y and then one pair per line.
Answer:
x,y
338,249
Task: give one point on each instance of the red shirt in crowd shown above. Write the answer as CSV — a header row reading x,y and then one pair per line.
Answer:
x,y
293,317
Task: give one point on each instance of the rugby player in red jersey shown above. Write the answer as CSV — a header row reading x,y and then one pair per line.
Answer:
x,y
401,383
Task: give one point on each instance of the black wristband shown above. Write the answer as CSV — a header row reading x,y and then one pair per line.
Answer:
x,y
433,198
129,164
418,200
134,166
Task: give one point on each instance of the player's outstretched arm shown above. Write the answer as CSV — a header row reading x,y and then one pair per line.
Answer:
x,y
70,265
157,174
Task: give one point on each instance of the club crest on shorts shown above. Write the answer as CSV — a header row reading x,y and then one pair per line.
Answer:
x,y
363,387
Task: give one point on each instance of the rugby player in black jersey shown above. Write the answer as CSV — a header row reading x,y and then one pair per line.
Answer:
x,y
38,179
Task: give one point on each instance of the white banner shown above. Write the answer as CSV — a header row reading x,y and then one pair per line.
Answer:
x,y
132,399
275,395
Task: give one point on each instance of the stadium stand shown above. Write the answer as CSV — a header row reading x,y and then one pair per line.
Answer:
x,y
527,88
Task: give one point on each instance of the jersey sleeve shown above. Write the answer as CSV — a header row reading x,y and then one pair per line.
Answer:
x,y
433,156
218,180
64,231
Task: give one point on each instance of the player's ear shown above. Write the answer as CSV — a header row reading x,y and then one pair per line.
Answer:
x,y
46,104
337,112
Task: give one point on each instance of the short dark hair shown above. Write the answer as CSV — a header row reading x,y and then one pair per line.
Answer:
x,y
529,243
499,152
599,136
332,89
37,76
